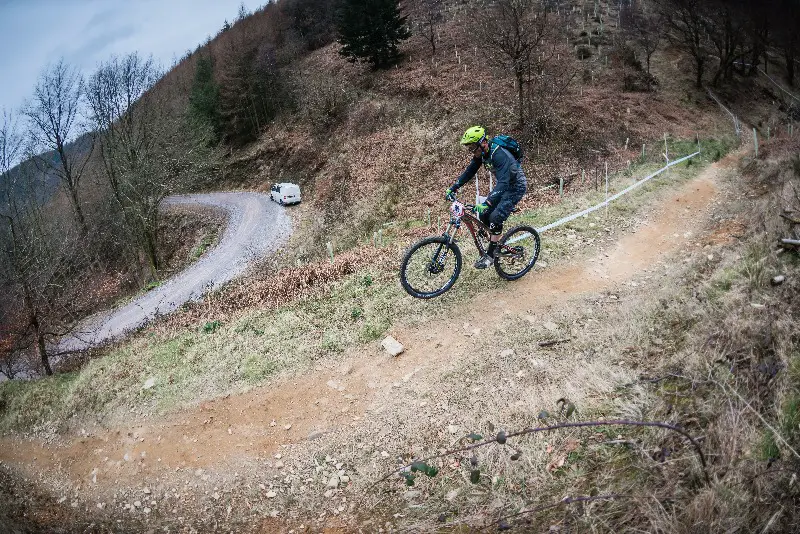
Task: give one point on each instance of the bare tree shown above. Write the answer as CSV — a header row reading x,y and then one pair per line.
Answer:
x,y
685,20
513,32
38,260
53,117
786,23
430,17
148,151
10,316
723,22
644,28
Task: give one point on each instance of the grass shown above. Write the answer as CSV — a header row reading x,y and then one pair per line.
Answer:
x,y
207,241
256,346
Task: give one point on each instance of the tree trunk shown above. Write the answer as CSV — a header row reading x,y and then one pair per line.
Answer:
x,y
699,64
151,251
521,96
40,347
81,220
33,321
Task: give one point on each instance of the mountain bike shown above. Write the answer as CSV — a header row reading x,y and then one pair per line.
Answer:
x,y
432,265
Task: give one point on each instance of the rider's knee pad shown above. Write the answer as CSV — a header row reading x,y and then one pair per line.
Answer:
x,y
495,228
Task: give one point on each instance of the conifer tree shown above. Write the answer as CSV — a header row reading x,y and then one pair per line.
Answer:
x,y
204,99
370,30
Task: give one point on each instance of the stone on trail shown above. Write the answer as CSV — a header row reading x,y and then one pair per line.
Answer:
x,y
506,353
272,494
315,434
149,383
392,346
778,280
333,482
549,325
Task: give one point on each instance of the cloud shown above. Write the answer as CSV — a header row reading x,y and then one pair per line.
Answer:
x,y
100,46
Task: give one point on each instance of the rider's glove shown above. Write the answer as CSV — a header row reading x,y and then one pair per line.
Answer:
x,y
450,195
480,209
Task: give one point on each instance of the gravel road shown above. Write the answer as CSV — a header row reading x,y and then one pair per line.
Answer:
x,y
256,227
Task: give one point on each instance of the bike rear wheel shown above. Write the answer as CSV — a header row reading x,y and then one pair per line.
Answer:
x,y
517,252
430,267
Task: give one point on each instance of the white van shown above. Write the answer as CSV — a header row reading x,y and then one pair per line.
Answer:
x,y
285,193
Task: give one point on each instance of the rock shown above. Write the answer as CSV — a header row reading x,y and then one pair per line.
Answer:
x,y
216,496
333,483
278,465
551,326
330,493
384,454
137,504
392,346
146,510
453,429
287,427
146,491
452,494
273,423
272,494
541,264
315,434
778,280
149,383
411,494
507,353
344,479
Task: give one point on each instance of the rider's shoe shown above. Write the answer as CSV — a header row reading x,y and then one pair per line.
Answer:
x,y
484,262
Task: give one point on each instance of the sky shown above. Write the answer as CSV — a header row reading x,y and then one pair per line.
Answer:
x,y
36,33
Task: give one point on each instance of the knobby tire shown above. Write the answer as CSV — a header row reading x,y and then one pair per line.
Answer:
x,y
425,256
510,255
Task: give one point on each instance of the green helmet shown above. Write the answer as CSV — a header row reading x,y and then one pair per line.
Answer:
x,y
476,134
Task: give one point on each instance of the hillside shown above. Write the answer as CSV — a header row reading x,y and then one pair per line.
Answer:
x,y
270,406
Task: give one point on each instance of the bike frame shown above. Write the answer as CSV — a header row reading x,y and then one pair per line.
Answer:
x,y
458,215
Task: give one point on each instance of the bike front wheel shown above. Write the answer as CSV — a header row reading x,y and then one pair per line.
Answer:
x,y
430,267
517,251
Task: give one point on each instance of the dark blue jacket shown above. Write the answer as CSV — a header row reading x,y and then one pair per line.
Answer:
x,y
507,171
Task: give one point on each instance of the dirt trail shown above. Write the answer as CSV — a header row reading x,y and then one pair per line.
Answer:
x,y
240,428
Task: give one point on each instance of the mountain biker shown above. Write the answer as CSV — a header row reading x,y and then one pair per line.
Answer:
x,y
510,188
